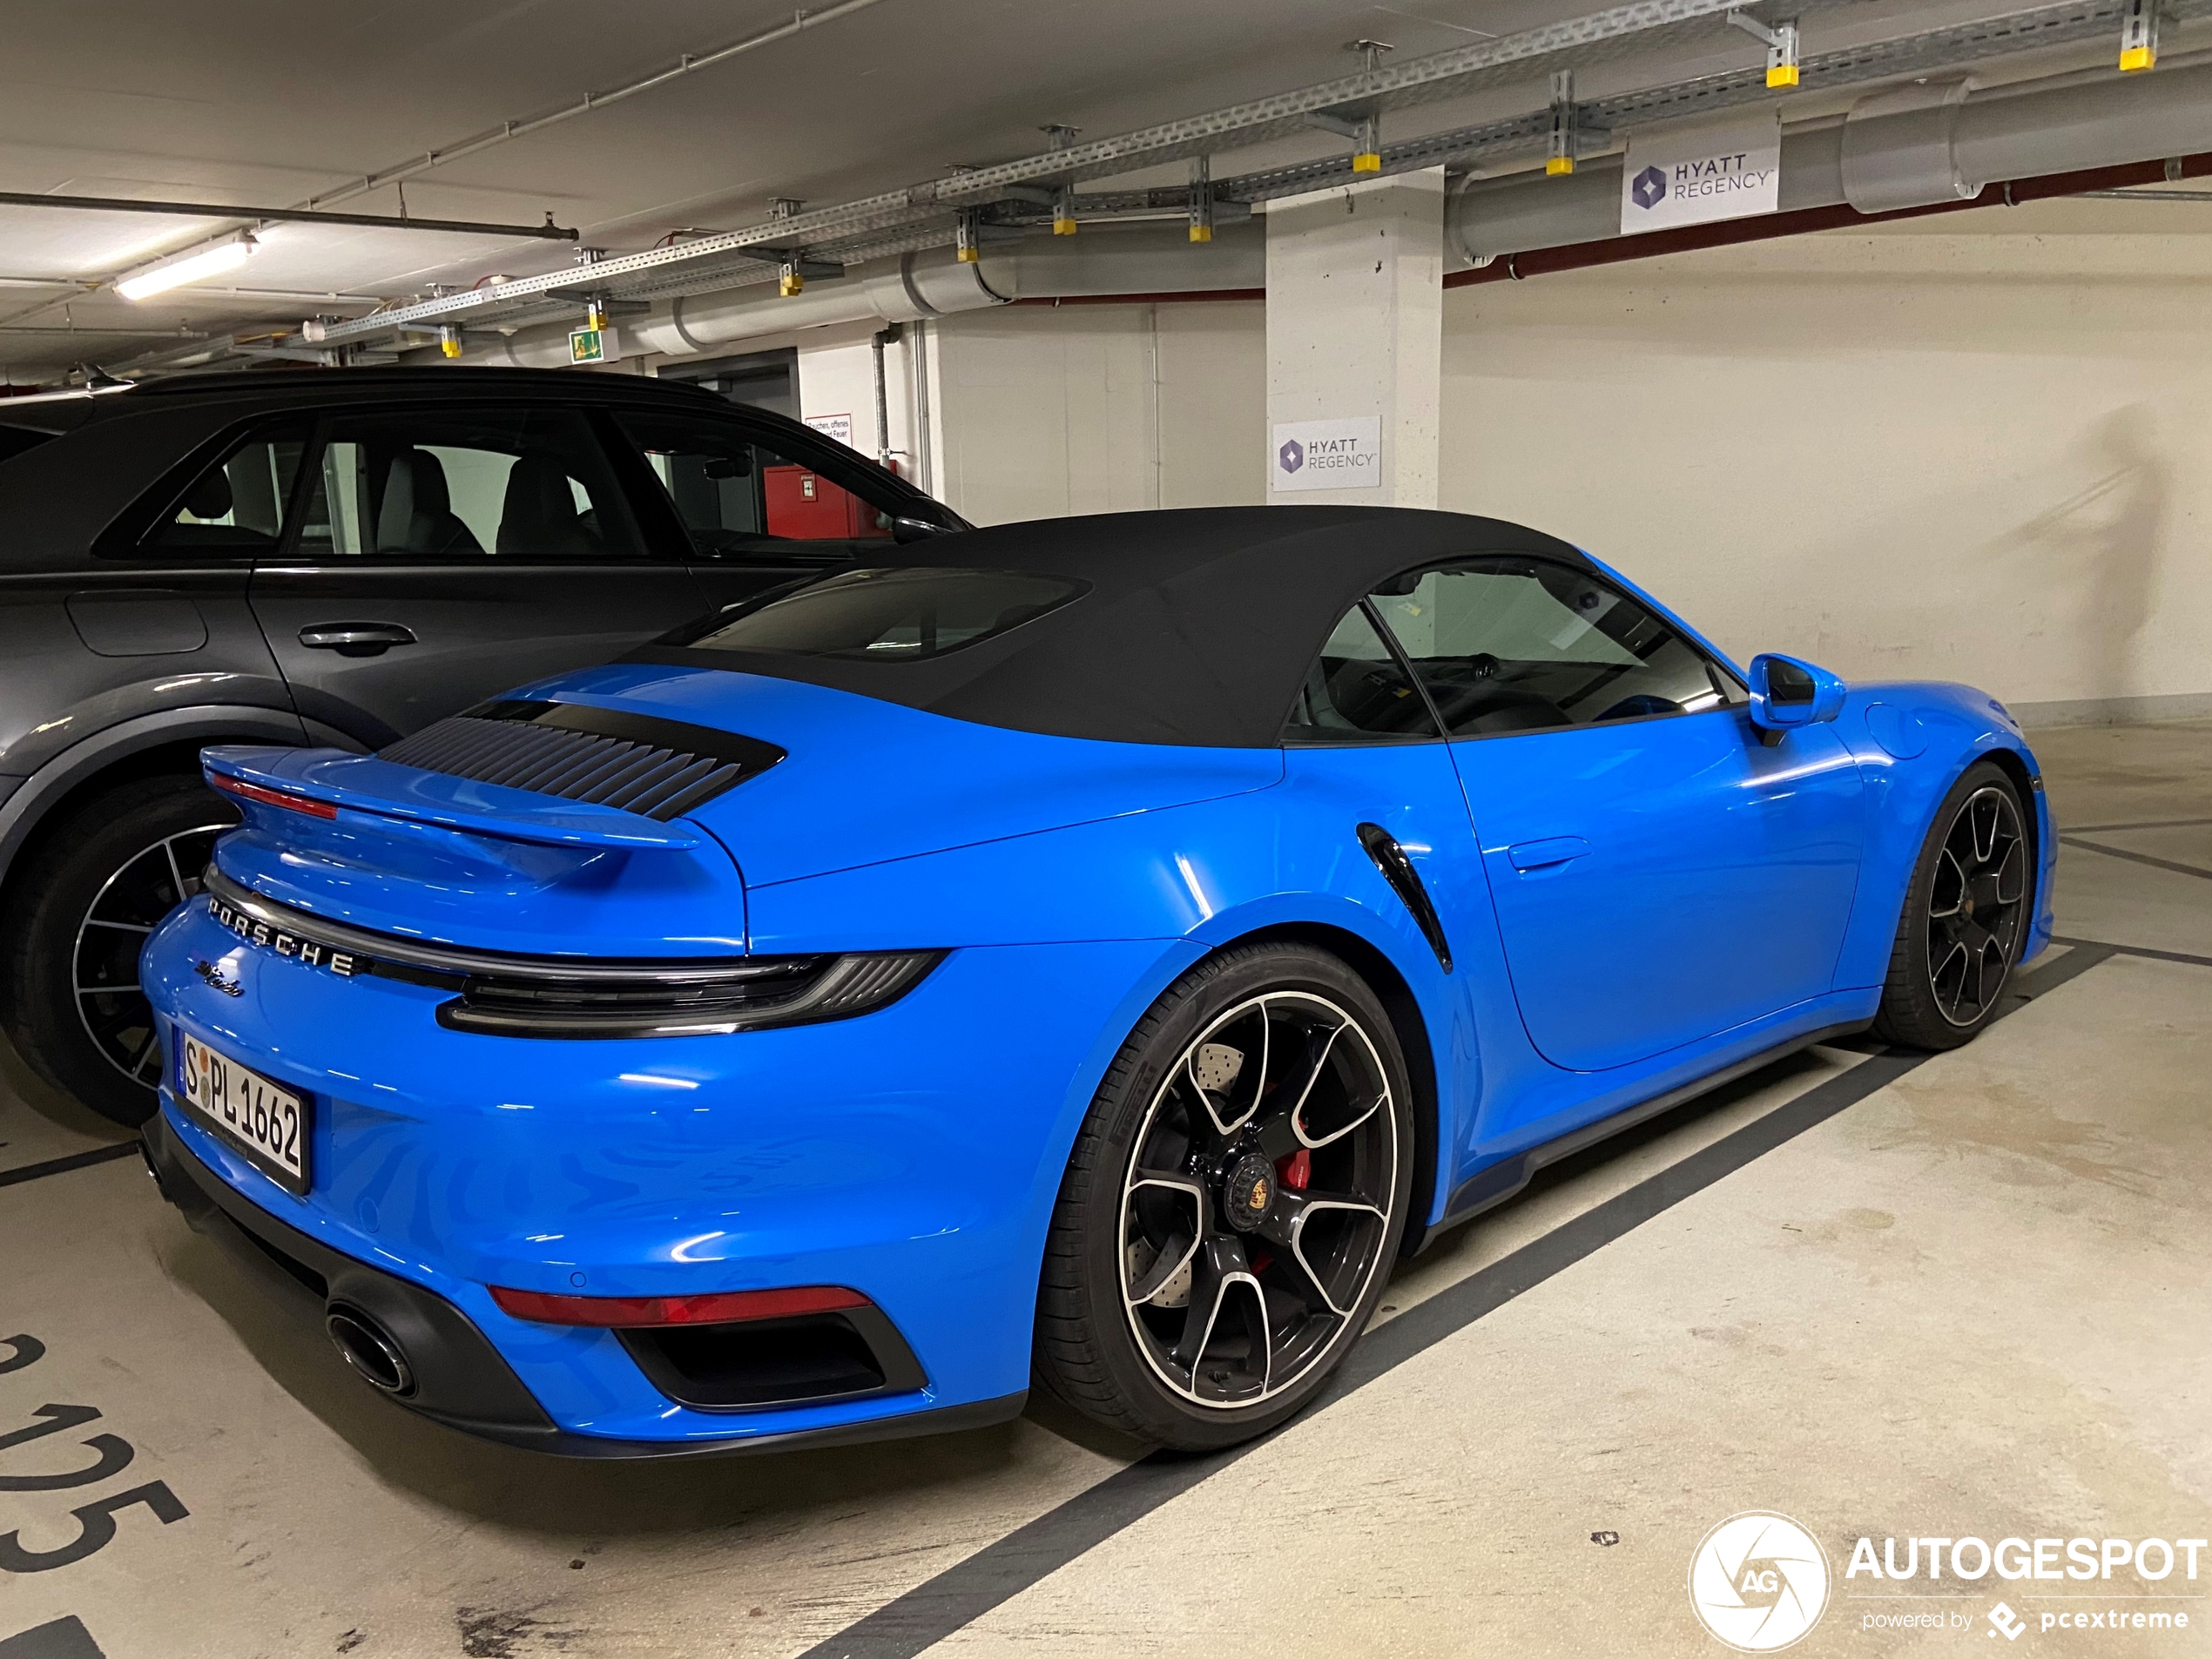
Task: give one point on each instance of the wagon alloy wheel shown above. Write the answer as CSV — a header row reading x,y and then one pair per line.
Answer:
x,y
79,911
129,905
1257,1202
1975,906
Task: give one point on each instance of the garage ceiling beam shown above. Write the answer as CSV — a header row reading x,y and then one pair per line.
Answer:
x,y
1379,88
920,215
548,231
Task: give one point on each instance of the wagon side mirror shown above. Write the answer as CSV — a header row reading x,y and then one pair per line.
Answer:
x,y
905,530
1786,693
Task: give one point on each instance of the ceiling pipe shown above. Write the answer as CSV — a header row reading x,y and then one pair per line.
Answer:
x,y
689,64
1938,145
1893,156
548,231
1766,227
1097,266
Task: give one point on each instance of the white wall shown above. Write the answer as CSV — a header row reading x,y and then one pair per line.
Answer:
x,y
1046,410
1952,455
837,376
1931,451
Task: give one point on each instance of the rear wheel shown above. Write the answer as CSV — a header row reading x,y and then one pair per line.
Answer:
x,y
1965,916
1235,1199
80,914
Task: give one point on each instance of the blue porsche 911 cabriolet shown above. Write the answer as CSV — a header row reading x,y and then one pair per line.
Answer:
x,y
1091,951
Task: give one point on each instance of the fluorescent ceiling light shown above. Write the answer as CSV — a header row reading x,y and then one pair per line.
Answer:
x,y
193,268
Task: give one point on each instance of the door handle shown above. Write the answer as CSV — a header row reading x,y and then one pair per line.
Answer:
x,y
1548,854
355,638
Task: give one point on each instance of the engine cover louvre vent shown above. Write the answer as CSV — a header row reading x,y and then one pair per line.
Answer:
x,y
639,762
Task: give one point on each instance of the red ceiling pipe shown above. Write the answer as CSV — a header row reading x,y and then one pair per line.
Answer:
x,y
1764,228
1143,299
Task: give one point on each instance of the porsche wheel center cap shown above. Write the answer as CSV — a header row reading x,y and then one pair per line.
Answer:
x,y
1248,1191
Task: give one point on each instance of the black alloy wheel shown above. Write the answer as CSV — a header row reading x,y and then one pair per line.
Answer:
x,y
1976,908
1236,1204
83,907
1965,917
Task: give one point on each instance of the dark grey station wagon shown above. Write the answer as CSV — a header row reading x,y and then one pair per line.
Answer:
x,y
333,557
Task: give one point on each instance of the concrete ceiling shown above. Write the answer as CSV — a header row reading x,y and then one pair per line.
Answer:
x,y
254,102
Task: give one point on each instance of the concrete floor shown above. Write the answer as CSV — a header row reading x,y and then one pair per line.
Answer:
x,y
1965,1297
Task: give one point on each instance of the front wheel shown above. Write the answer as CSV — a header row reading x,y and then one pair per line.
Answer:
x,y
81,911
1234,1202
1965,916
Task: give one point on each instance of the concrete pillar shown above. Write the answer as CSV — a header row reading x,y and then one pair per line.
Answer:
x,y
1355,343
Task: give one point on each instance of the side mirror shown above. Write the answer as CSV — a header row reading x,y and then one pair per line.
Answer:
x,y
905,530
1786,693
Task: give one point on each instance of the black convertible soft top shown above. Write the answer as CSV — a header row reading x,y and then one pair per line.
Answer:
x,y
1198,628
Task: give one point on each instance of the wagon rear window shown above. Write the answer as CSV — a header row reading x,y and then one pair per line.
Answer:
x,y
896,614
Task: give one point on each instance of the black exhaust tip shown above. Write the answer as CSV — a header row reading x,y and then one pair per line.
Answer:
x,y
370,1350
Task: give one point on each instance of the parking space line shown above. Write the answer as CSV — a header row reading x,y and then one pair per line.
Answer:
x,y
74,1160
2195,870
966,1591
2160,823
2133,950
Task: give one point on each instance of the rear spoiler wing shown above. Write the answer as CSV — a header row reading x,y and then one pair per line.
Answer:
x,y
322,783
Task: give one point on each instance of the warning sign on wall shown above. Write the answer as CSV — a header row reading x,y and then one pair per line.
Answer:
x,y
1694,175
833,426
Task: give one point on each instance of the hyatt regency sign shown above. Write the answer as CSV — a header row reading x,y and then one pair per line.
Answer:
x,y
1694,175
1327,455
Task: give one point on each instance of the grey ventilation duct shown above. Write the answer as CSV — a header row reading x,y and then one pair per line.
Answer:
x,y
1103,259
1900,148
1911,146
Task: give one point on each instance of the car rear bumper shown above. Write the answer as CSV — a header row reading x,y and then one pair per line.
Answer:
x,y
459,1379
911,1156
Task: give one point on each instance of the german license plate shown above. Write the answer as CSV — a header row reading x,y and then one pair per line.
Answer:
x,y
268,1123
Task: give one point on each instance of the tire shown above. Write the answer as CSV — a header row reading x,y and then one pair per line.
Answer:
x,y
1966,915
1272,1200
79,914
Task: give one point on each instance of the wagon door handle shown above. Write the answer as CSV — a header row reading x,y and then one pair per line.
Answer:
x,y
1548,854
355,638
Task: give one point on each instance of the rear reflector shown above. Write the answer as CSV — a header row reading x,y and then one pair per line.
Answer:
x,y
720,1307
271,797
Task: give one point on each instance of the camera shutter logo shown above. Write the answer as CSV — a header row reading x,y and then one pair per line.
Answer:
x,y
1759,1581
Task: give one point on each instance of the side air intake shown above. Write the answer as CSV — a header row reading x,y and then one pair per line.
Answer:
x,y
638,763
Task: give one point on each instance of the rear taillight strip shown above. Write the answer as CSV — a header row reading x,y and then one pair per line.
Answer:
x,y
244,791
714,1308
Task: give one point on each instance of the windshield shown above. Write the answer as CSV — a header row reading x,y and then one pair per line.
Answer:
x,y
898,615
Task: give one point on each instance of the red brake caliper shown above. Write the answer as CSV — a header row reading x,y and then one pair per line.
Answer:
x,y
1292,1171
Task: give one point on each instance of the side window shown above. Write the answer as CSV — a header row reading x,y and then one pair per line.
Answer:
x,y
1519,644
734,494
238,505
1357,691
465,484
